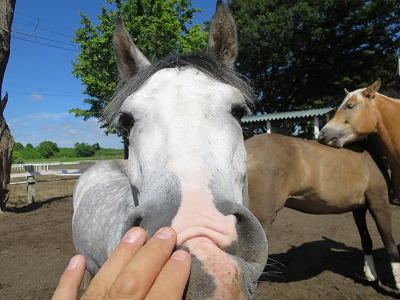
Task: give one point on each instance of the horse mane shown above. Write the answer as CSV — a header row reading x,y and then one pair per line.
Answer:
x,y
206,63
392,91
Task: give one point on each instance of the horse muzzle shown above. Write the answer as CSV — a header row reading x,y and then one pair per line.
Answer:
x,y
329,138
218,270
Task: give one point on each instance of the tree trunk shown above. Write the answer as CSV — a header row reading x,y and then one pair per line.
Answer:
x,y
6,148
6,139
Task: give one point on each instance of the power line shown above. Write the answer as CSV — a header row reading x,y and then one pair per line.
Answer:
x,y
49,45
58,93
42,94
41,28
26,36
44,20
45,39
34,87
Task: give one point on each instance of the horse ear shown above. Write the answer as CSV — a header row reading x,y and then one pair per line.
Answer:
x,y
346,91
222,41
130,60
372,89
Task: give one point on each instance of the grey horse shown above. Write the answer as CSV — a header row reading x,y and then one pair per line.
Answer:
x,y
186,166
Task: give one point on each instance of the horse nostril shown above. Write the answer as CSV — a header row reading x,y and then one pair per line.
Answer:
x,y
137,222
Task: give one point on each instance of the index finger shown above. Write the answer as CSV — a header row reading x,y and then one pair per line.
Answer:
x,y
126,249
138,276
171,282
68,286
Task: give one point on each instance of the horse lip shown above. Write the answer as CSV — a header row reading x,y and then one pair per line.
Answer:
x,y
194,236
193,244
321,136
335,142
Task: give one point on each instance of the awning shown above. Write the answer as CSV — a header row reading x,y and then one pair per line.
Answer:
x,y
286,115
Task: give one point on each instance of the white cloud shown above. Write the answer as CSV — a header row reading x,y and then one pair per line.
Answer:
x,y
61,128
37,97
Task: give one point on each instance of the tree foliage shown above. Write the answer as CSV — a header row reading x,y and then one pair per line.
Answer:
x,y
302,54
158,28
26,153
18,146
47,149
84,150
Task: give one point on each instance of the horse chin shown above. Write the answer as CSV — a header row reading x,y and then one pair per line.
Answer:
x,y
336,143
349,138
339,142
215,274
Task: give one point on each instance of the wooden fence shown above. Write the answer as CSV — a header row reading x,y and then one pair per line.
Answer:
x,y
32,170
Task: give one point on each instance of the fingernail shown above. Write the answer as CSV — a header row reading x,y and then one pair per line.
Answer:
x,y
179,255
73,263
132,236
164,233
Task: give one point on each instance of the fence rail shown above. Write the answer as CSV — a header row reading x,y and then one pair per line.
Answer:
x,y
32,170
64,172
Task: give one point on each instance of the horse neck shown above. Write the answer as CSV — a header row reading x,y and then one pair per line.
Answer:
x,y
388,127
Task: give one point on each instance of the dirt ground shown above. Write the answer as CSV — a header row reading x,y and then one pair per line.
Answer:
x,y
311,257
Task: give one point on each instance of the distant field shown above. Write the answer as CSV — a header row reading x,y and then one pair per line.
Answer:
x,y
101,154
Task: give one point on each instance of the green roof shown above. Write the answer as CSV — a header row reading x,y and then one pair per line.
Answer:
x,y
287,115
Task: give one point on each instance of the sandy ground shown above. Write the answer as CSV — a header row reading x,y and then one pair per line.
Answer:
x,y
311,257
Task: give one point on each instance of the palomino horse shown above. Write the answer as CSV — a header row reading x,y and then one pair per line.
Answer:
x,y
186,166
316,179
364,112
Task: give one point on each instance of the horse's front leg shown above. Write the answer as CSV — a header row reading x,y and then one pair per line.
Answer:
x,y
383,219
366,243
395,181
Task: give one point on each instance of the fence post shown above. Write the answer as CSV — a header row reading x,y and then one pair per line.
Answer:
x,y
31,187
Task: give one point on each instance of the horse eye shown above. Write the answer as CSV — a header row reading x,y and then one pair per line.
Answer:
x,y
238,111
126,120
350,105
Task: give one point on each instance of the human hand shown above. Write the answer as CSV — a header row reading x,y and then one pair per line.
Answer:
x,y
135,270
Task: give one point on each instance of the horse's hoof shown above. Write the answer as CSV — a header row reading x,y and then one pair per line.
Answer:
x,y
369,268
369,275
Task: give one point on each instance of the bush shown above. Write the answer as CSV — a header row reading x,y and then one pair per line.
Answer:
x,y
96,147
18,146
65,152
16,157
84,150
18,160
30,153
47,149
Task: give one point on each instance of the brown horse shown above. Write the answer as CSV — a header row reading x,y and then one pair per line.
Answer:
x,y
364,112
312,178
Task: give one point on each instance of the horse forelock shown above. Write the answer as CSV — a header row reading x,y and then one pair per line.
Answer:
x,y
355,93
205,63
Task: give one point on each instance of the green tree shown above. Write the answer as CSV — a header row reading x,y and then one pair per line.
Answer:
x,y
96,147
158,27
302,54
65,152
30,153
47,149
84,150
17,157
18,146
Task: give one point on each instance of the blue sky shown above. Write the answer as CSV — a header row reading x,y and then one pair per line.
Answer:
x,y
38,77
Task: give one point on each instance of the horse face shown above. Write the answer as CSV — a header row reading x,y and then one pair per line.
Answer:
x,y
187,159
183,125
355,119
187,163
